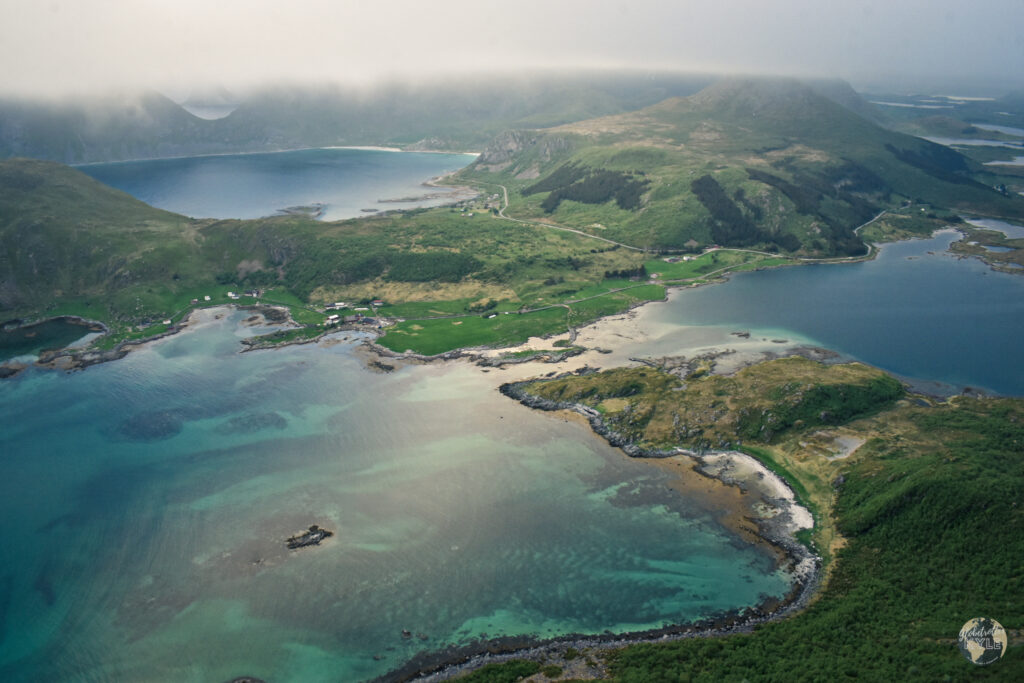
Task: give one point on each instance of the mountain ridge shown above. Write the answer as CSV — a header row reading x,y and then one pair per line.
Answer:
x,y
765,163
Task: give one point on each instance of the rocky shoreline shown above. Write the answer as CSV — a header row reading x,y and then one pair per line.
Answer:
x,y
70,358
776,531
454,661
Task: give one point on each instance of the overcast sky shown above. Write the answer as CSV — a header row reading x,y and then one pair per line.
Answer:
x,y
57,46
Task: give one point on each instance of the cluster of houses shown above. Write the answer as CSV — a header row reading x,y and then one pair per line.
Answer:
x,y
358,317
234,296
338,305
335,319
255,293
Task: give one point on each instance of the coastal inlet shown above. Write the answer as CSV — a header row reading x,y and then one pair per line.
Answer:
x,y
452,506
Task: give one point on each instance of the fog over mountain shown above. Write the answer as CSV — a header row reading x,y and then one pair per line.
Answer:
x,y
59,47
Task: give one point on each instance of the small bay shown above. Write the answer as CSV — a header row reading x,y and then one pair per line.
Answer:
x,y
145,504
975,142
1009,229
916,310
1009,130
55,333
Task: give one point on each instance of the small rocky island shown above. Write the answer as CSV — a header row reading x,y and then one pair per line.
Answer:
x,y
311,537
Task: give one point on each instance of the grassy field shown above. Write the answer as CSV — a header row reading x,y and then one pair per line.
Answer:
x,y
712,262
501,327
431,337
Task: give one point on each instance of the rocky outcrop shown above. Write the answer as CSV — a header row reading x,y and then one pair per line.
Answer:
x,y
311,537
505,149
517,391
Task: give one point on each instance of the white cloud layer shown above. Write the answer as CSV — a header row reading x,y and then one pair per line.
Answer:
x,y
54,46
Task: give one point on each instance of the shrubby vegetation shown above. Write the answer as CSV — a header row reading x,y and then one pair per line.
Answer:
x,y
838,218
730,226
626,273
440,266
563,176
935,537
507,672
937,161
577,183
820,404
929,507
756,404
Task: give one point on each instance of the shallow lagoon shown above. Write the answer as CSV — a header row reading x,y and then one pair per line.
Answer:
x,y
29,340
146,501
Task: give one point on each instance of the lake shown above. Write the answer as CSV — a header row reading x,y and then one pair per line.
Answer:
x,y
1009,130
344,181
974,142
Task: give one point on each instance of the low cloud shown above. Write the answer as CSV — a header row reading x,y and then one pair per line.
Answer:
x,y
60,46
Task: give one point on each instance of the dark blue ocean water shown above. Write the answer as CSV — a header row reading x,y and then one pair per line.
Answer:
x,y
916,311
255,185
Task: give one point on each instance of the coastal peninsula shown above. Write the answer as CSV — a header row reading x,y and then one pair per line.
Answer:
x,y
875,465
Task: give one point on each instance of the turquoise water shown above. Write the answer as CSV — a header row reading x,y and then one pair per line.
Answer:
x,y
254,185
145,502
916,311
144,505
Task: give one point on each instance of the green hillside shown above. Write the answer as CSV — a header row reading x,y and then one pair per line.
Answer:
x,y
70,245
764,163
920,526
64,236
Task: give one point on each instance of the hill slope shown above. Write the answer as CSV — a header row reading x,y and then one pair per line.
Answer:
x,y
66,238
70,245
927,505
762,163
